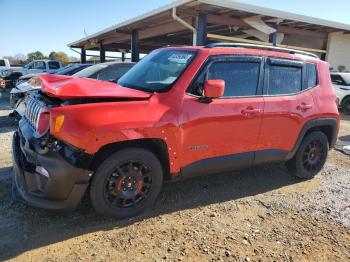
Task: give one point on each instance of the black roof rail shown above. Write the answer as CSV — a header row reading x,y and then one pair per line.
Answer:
x,y
262,47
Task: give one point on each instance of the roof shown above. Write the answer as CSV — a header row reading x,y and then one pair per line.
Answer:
x,y
217,7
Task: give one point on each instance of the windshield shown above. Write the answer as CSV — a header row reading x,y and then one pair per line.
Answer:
x,y
346,78
65,69
90,72
158,71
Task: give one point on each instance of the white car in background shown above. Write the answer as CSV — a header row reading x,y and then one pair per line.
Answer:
x,y
341,84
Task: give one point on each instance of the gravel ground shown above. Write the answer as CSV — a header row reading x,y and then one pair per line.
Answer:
x,y
260,214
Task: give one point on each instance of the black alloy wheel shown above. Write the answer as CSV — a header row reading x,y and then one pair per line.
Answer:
x,y
126,183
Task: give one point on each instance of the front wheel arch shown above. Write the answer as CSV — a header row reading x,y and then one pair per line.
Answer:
x,y
157,146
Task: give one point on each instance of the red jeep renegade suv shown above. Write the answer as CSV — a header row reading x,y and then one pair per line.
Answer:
x,y
179,112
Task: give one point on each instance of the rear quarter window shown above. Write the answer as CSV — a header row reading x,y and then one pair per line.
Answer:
x,y
311,75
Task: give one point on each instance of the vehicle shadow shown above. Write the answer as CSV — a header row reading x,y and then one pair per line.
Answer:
x,y
344,117
5,99
24,228
7,122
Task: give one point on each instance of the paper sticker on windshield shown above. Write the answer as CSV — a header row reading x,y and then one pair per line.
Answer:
x,y
179,58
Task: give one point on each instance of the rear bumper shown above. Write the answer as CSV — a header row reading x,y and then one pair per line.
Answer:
x,y
60,187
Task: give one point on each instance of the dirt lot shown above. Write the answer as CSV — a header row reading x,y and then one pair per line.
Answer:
x,y
262,214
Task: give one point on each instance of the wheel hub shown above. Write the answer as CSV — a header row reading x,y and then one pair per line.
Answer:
x,y
129,184
313,155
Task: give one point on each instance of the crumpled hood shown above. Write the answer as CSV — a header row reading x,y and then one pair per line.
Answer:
x,y
68,87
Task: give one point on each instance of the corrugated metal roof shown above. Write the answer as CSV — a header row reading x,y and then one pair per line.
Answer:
x,y
231,4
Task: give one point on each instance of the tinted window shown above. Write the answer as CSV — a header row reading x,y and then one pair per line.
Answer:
x,y
113,73
241,78
54,65
2,62
311,75
284,80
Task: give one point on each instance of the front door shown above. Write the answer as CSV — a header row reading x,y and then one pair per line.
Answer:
x,y
223,134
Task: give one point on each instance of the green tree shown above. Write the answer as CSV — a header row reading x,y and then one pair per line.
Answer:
x,y
60,56
35,56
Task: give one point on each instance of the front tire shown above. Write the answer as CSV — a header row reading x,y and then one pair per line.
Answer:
x,y
126,183
345,105
310,157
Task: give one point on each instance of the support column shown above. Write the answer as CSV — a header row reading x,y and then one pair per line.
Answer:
x,y
102,53
83,56
135,55
273,38
123,56
201,29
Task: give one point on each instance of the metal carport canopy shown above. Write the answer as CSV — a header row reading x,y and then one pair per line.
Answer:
x,y
219,18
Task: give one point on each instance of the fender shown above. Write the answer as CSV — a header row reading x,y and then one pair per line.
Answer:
x,y
319,122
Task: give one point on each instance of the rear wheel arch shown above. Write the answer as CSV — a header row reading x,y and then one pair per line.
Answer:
x,y
328,126
157,146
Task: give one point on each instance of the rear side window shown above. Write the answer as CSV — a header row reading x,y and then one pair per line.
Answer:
x,y
54,65
311,75
284,80
2,62
241,78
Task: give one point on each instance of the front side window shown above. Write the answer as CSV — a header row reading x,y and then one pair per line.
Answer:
x,y
158,71
241,78
284,80
39,65
2,62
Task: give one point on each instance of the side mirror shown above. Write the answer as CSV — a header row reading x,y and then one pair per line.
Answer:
x,y
214,88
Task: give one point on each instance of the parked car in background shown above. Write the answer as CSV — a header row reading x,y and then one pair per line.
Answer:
x,y
341,84
4,63
178,113
67,70
110,71
5,69
37,66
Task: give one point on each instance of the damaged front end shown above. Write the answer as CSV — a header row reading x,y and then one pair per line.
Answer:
x,y
47,173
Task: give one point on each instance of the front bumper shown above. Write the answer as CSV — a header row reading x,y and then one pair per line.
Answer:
x,y
60,188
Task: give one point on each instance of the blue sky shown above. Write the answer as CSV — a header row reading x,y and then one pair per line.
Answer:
x,y
46,25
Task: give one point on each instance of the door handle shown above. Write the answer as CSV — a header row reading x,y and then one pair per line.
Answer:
x,y
304,107
251,111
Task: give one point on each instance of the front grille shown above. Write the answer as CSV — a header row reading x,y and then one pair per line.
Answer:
x,y
33,109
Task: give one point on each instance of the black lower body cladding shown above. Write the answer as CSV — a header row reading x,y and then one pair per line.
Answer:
x,y
44,178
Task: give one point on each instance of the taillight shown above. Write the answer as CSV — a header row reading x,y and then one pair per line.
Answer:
x,y
43,123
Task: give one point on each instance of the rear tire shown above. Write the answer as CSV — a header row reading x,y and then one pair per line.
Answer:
x,y
345,105
126,183
310,157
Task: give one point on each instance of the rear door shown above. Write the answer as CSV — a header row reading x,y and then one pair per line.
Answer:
x,y
226,130
288,105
